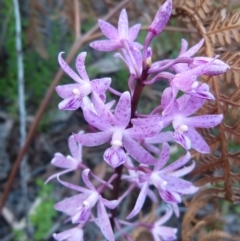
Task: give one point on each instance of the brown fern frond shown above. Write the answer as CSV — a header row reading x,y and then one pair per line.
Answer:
x,y
223,30
201,8
202,211
233,60
218,235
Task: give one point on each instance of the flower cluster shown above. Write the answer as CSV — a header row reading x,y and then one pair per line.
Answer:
x,y
137,143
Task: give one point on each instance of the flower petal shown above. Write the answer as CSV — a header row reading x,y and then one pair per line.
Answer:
x,y
189,105
164,156
66,68
58,174
100,86
114,156
66,91
177,164
160,137
110,204
142,131
75,148
123,25
80,65
204,121
69,234
168,196
104,223
105,114
133,32
140,201
178,185
197,142
137,151
71,103
74,187
101,121
161,18
183,171
182,139
93,139
122,111
86,179
71,204
61,161
194,49
108,30
106,45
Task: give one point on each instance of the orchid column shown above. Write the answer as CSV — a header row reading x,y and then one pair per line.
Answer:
x,y
138,150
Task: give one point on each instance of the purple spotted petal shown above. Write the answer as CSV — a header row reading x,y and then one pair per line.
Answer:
x,y
144,177
71,204
72,103
182,139
166,233
103,111
168,196
177,164
100,86
61,161
81,215
80,65
108,30
178,185
102,120
123,25
189,105
122,111
86,180
201,92
197,142
74,187
66,68
194,49
161,18
93,139
137,152
140,201
143,131
104,223
58,174
183,47
106,45
110,204
70,234
160,138
183,171
66,91
164,156
114,156
133,32
75,148
204,121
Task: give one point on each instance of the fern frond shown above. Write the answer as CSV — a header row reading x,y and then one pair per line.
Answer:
x,y
218,235
233,60
223,30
